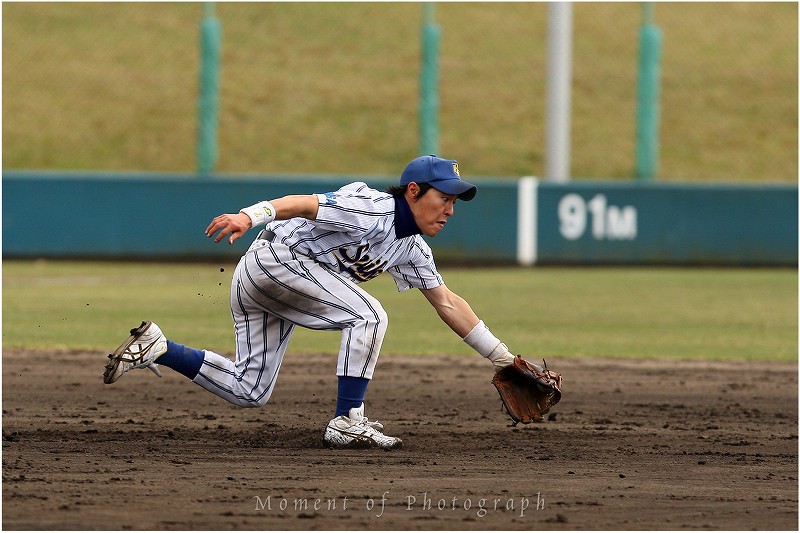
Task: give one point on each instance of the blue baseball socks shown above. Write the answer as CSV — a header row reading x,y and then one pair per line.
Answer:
x,y
182,359
351,394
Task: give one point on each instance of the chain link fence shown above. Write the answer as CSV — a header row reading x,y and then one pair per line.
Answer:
x,y
334,88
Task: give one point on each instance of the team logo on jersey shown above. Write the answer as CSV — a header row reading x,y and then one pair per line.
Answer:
x,y
455,169
330,198
358,263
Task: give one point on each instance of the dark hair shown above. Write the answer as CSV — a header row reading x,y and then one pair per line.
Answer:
x,y
400,190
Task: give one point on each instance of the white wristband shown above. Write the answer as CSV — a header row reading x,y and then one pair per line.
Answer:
x,y
260,214
484,342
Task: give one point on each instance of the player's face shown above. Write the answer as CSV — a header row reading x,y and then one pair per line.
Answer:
x,y
431,210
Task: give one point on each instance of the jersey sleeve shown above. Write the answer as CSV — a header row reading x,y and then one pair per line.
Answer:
x,y
420,270
353,209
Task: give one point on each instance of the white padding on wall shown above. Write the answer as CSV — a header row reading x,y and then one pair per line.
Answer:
x,y
527,189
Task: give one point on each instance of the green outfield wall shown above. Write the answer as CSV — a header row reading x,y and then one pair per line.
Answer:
x,y
658,223
527,221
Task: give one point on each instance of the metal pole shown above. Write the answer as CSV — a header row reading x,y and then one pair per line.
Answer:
x,y
647,100
429,83
559,84
208,106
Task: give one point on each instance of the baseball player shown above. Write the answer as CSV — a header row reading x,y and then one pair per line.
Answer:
x,y
304,269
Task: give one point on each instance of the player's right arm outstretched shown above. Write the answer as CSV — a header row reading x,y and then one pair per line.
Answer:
x,y
236,224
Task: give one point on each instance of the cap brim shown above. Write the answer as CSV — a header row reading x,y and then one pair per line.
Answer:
x,y
464,190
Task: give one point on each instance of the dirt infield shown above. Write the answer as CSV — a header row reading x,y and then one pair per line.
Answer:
x,y
634,445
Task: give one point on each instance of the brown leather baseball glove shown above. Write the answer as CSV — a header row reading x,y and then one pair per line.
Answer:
x,y
528,391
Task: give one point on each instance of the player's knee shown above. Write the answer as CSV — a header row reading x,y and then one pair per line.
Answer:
x,y
377,314
260,402
252,398
382,318
374,313
251,403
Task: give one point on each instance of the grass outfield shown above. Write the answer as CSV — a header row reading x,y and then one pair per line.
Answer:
x,y
738,314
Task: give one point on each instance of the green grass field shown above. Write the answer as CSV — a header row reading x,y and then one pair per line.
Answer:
x,y
733,314
333,87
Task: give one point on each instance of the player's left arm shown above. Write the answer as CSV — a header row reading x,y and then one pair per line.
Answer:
x,y
452,309
459,316
237,224
527,390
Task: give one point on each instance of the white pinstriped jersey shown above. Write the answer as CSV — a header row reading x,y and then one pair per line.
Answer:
x,y
354,234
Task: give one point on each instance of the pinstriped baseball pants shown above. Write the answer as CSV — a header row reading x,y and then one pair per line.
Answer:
x,y
272,291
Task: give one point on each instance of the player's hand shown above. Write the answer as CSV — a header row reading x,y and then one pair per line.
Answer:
x,y
503,360
229,224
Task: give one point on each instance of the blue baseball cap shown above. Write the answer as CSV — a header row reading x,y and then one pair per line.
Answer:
x,y
442,174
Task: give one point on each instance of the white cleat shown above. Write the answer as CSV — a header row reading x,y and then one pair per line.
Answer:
x,y
356,431
144,346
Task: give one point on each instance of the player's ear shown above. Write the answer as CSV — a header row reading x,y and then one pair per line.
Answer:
x,y
413,190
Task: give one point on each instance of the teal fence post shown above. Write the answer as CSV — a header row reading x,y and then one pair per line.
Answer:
x,y
429,81
208,107
647,102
